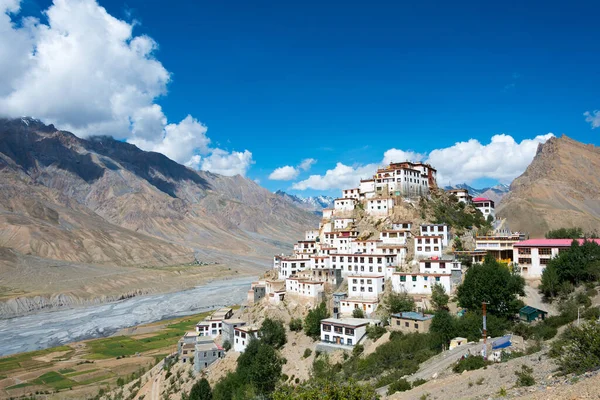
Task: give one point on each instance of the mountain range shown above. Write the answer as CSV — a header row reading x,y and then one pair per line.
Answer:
x,y
560,188
310,203
103,215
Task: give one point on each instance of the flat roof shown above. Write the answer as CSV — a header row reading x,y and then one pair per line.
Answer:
x,y
366,276
234,321
247,328
348,321
552,242
415,316
207,346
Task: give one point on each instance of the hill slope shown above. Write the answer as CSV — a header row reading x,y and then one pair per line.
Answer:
x,y
560,188
102,202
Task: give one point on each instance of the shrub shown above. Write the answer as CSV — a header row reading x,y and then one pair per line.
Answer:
x,y
272,333
201,391
227,345
578,350
400,302
307,353
312,322
358,313
524,377
375,332
470,364
357,350
296,325
401,385
418,382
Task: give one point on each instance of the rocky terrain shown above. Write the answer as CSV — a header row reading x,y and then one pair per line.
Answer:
x,y
102,214
560,188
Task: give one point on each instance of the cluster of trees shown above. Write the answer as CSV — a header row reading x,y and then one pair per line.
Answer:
x,y
578,349
570,233
312,322
580,263
491,282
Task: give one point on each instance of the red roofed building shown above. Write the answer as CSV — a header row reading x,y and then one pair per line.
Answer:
x,y
533,255
486,206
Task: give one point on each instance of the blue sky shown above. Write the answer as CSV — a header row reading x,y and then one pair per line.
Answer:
x,y
343,82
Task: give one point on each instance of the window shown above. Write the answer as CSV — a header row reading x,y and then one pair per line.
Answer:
x,y
427,265
416,326
406,324
355,281
425,278
350,331
544,261
525,261
349,342
370,289
545,251
437,278
327,338
397,322
525,250
442,265
414,278
403,278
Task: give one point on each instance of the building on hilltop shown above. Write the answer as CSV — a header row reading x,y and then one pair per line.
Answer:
x,y
409,322
420,283
533,255
428,246
486,206
345,331
442,230
365,286
206,352
242,336
462,195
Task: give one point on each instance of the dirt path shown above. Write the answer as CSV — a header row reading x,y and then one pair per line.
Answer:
x,y
155,391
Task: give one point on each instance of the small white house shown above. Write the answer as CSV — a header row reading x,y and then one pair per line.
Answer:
x,y
402,226
242,336
428,246
304,288
289,266
379,207
486,206
436,230
327,213
345,331
347,306
365,286
419,283
367,188
305,247
368,246
394,236
342,223
351,193
344,204
311,234
438,266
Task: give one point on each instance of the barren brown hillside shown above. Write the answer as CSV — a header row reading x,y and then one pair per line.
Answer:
x,y
560,188
104,205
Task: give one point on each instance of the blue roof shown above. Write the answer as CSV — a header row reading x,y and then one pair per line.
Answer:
x,y
531,310
502,343
417,316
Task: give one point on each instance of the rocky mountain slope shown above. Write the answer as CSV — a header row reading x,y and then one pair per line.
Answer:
x,y
495,193
311,203
107,204
560,188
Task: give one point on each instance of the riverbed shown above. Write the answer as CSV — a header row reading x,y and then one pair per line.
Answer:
x,y
48,329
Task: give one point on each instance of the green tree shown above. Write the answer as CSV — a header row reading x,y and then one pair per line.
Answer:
x,y
443,325
494,283
201,391
260,366
272,333
439,298
295,325
312,322
578,350
400,302
358,313
550,281
565,233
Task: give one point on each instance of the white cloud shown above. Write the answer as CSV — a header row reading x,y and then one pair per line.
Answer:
x,y
286,173
502,159
229,164
593,118
307,163
395,155
341,177
85,71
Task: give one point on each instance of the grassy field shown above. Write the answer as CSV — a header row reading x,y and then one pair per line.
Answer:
x,y
79,370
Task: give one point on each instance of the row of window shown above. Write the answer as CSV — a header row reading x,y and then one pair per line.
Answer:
x,y
428,248
414,278
428,240
341,340
338,329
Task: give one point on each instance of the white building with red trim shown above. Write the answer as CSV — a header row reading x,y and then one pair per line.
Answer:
x,y
533,255
353,193
379,207
428,246
304,288
418,283
436,230
486,206
344,204
365,286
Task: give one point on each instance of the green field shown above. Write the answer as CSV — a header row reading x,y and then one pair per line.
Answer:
x,y
157,345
